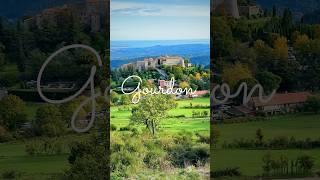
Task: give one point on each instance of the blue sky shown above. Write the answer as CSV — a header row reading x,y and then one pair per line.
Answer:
x,y
160,19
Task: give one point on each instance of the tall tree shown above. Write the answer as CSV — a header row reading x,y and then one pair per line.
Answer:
x,y
152,110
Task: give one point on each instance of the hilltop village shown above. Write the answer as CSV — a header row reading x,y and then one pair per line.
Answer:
x,y
158,72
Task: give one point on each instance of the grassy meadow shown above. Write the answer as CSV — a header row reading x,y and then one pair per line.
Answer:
x,y
120,116
13,155
301,126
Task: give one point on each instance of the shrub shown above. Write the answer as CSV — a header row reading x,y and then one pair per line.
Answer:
x,y
12,112
49,122
127,128
44,147
190,173
113,127
282,166
10,174
203,138
232,172
154,158
5,136
88,160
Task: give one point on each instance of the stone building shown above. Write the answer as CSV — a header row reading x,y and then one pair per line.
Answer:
x,y
152,63
280,103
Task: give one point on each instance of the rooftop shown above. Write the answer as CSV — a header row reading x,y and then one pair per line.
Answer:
x,y
286,98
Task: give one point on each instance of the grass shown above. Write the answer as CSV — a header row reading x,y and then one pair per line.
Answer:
x,y
250,161
300,126
13,157
121,118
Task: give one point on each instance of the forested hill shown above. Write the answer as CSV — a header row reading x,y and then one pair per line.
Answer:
x,y
301,6
13,9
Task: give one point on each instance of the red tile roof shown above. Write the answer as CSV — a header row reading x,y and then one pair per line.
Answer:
x,y
201,93
280,99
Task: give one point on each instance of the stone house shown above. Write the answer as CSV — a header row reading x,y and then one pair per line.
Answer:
x,y
280,103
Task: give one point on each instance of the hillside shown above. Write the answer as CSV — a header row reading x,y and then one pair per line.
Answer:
x,y
301,6
13,9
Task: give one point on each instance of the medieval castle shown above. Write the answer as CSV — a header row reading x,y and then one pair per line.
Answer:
x,y
153,63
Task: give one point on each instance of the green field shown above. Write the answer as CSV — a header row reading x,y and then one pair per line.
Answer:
x,y
250,161
121,117
14,157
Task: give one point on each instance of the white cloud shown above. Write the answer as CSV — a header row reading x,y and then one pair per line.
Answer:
x,y
148,9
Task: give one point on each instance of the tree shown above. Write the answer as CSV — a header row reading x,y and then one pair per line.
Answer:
x,y
232,74
89,160
306,163
302,44
267,161
2,55
312,104
222,37
215,134
274,11
317,31
12,112
280,48
68,109
184,85
198,76
287,23
49,121
178,72
259,136
268,80
151,111
115,98
125,99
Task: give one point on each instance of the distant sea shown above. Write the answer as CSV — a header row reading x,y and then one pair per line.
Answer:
x,y
122,52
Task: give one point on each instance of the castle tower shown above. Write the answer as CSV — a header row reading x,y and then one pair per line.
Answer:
x,y
226,7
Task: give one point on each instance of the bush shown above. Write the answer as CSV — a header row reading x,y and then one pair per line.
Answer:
x,y
10,174
282,166
5,136
203,138
127,128
12,112
154,158
44,147
113,127
183,155
88,160
190,173
49,122
231,172
278,142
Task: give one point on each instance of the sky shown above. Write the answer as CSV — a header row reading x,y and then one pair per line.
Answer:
x,y
160,19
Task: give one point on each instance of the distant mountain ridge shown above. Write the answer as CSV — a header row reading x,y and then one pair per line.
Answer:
x,y
14,9
197,53
187,50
